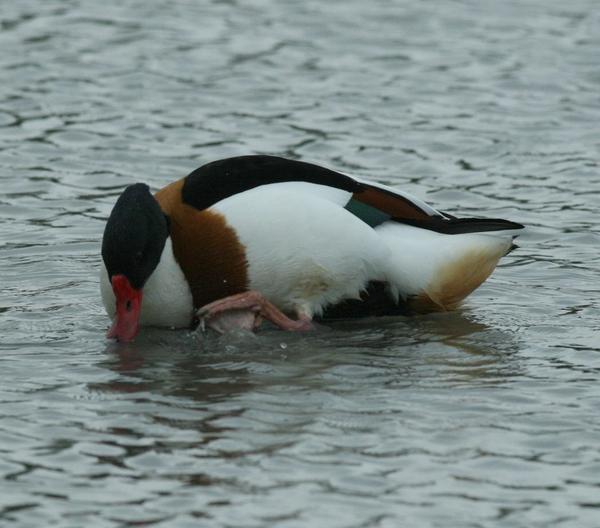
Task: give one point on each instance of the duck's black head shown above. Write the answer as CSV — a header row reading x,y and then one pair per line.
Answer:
x,y
133,242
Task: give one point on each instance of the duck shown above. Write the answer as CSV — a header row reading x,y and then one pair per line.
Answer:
x,y
252,238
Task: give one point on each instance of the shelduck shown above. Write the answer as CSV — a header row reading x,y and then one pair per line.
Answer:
x,y
257,237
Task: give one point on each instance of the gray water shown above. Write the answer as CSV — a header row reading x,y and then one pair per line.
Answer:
x,y
488,416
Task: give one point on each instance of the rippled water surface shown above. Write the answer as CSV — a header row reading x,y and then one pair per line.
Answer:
x,y
488,416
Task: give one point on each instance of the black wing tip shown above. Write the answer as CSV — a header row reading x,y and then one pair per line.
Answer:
x,y
459,226
480,225
515,225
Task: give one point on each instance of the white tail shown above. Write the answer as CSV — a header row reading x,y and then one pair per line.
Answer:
x,y
435,271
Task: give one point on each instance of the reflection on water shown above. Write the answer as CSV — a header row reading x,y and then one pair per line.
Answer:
x,y
486,416
211,367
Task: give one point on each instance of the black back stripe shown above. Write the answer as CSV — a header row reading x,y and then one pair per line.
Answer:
x,y
221,179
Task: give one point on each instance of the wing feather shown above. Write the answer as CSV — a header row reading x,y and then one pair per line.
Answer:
x,y
373,203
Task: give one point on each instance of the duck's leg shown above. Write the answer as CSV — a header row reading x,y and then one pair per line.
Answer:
x,y
243,307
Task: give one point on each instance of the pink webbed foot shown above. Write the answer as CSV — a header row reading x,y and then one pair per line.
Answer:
x,y
230,320
246,311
